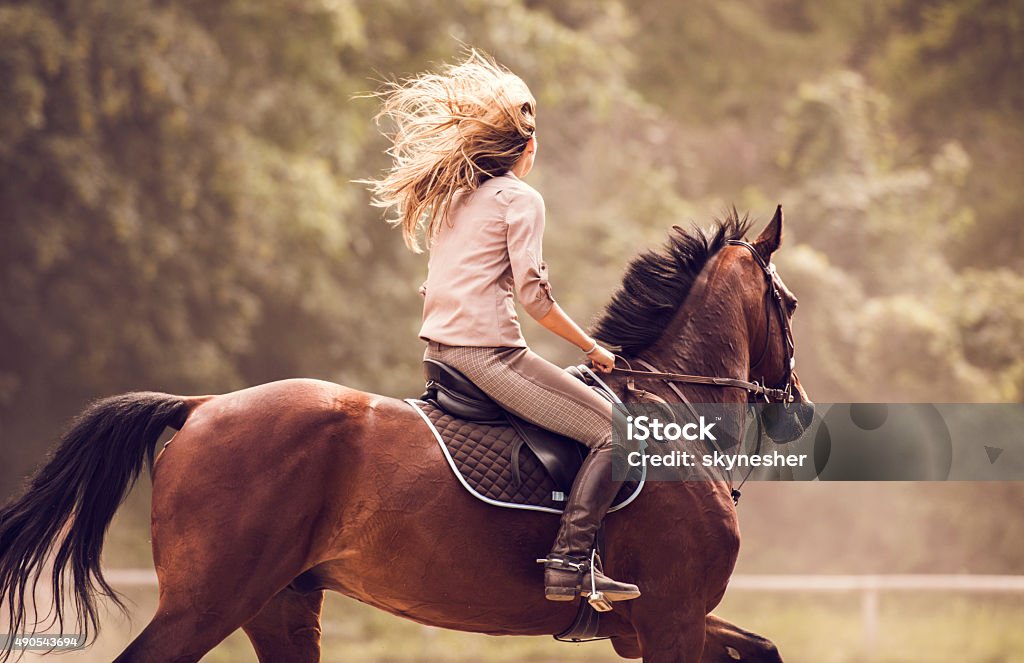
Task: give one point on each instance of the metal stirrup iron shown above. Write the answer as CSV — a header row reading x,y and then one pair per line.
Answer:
x,y
596,599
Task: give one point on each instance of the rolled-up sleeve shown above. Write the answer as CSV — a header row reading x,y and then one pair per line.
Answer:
x,y
525,219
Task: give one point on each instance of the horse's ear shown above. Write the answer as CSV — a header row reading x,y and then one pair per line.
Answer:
x,y
770,239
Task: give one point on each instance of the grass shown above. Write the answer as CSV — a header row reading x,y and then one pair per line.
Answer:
x,y
932,628
811,628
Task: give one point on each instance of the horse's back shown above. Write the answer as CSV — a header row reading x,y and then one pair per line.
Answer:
x,y
282,461
296,407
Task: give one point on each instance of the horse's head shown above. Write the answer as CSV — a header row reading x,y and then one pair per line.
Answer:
x,y
769,307
712,305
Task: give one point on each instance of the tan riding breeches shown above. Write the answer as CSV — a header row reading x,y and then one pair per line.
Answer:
x,y
533,388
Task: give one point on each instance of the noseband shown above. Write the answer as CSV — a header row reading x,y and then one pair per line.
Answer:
x,y
782,392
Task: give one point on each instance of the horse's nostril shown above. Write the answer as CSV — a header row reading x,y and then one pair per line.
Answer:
x,y
806,413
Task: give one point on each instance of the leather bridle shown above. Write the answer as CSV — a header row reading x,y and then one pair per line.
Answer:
x,y
781,392
773,293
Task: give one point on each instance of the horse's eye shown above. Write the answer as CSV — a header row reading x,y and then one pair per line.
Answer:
x,y
792,306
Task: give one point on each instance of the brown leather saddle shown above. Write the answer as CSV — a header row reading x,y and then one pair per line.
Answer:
x,y
499,457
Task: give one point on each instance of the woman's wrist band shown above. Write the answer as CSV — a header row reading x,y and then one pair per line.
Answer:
x,y
592,348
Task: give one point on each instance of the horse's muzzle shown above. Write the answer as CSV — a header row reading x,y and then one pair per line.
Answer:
x,y
785,424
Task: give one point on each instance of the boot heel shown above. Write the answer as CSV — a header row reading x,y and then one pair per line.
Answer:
x,y
560,593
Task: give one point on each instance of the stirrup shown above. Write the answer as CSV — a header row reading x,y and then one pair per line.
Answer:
x,y
596,599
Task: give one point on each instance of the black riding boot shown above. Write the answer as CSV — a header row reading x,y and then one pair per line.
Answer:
x,y
568,571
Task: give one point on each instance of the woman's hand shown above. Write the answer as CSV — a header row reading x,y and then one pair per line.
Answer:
x,y
602,359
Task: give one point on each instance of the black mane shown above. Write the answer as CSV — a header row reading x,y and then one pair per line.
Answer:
x,y
657,282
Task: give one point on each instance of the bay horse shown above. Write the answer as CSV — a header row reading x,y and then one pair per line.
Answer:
x,y
268,496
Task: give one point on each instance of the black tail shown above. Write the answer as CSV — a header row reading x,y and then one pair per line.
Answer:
x,y
70,503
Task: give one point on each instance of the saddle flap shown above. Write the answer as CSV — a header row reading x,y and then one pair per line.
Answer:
x,y
561,456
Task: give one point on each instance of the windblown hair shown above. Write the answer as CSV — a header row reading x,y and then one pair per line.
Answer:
x,y
452,131
657,282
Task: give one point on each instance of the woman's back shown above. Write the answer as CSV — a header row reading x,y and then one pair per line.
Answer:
x,y
487,250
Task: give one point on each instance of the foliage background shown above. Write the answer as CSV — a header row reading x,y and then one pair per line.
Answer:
x,y
178,212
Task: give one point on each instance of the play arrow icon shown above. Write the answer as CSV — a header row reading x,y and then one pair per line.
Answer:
x,y
993,453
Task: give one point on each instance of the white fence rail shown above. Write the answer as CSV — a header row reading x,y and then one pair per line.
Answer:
x,y
844,583
868,586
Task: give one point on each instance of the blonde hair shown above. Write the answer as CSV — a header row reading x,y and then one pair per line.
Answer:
x,y
453,130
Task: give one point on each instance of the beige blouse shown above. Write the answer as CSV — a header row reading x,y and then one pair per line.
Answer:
x,y
488,248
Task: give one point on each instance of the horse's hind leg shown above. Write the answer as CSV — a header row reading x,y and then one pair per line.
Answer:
x,y
181,633
287,628
200,604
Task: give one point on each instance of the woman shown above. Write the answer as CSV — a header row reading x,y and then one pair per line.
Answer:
x,y
464,139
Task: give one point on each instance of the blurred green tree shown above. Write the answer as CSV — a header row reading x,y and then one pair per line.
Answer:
x,y
956,67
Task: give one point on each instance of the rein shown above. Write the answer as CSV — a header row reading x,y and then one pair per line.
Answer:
x,y
770,393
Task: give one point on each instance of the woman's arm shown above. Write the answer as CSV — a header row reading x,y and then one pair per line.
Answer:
x,y
558,321
525,219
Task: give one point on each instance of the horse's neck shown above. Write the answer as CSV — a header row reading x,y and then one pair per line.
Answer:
x,y
709,336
